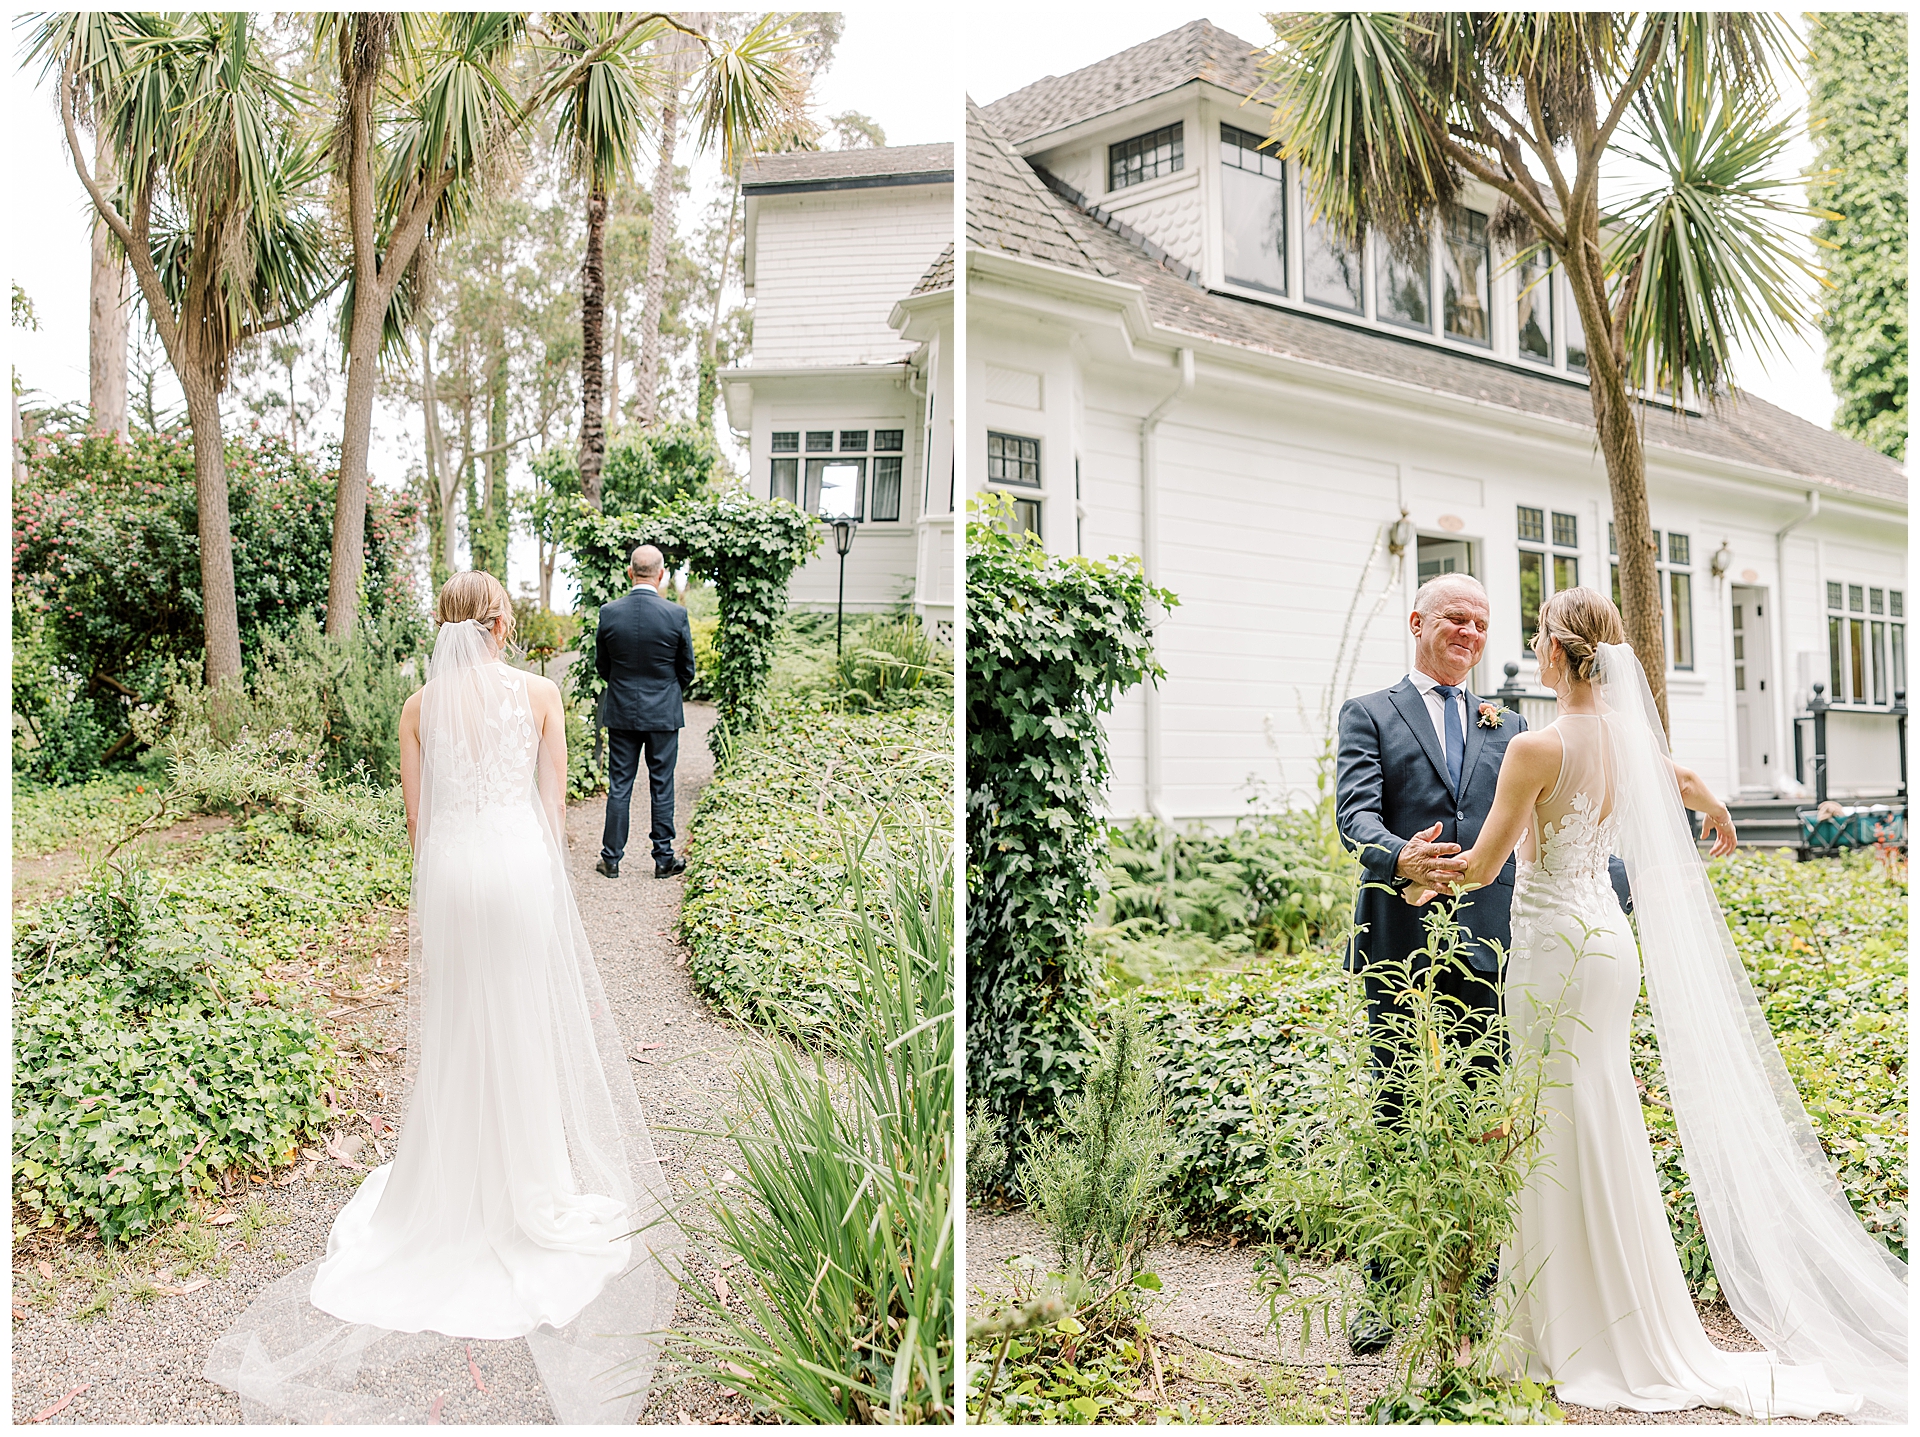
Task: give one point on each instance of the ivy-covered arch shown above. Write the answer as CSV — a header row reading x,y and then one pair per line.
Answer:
x,y
746,548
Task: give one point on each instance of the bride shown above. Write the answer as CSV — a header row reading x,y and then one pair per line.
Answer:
x,y
524,1200
1600,1307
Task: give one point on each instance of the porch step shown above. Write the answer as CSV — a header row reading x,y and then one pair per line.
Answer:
x,y
1775,822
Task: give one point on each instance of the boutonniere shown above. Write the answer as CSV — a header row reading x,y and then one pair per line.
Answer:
x,y
1492,715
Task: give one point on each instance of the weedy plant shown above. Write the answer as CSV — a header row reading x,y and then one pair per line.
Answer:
x,y
1427,1194
891,663
843,1208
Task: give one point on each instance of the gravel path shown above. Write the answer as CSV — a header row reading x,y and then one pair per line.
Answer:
x,y
1208,1301
123,1328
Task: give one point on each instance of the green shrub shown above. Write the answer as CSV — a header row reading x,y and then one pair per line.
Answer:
x,y
848,1226
761,917
1096,1180
986,1155
1051,644
106,577
146,1061
892,662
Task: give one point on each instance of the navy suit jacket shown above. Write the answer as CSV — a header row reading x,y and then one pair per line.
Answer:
x,y
1391,784
643,648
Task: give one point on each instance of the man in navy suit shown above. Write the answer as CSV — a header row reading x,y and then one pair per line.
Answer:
x,y
643,649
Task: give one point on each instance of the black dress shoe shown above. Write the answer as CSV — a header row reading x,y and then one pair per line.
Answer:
x,y
1368,1333
670,868
612,870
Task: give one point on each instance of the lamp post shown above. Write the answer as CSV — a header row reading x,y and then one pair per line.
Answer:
x,y
1899,712
843,531
1818,708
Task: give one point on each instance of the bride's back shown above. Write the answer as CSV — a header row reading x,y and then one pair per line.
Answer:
x,y
1573,821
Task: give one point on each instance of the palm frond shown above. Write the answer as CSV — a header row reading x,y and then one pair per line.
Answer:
x,y
749,88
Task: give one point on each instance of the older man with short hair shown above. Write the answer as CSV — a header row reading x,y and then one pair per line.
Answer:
x,y
643,649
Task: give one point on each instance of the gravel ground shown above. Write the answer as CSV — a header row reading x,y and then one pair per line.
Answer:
x,y
120,1328
1208,1302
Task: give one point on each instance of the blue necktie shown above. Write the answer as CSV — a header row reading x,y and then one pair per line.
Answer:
x,y
1456,736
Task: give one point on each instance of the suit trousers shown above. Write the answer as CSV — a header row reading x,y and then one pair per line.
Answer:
x,y
624,745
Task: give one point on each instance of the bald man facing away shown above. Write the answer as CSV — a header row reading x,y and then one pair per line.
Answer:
x,y
643,649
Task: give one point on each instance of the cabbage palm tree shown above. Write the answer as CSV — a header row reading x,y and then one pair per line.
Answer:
x,y
212,210
1388,112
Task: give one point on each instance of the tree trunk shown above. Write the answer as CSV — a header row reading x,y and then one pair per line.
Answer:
x,y
443,491
710,365
646,378
495,513
220,610
356,441
593,321
108,295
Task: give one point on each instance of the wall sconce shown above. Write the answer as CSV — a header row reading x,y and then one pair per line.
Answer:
x,y
1400,535
1722,560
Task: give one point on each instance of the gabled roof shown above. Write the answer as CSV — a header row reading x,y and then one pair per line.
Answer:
x,y
1200,50
939,274
1012,210
849,169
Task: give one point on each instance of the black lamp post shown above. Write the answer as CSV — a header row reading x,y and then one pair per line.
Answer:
x,y
843,530
1899,712
1818,708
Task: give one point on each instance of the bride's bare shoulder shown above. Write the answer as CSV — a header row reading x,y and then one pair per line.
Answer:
x,y
1537,747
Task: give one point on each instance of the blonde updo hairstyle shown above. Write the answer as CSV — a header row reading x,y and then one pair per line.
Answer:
x,y
475,595
1580,620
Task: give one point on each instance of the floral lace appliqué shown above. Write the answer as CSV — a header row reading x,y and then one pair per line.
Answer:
x,y
1570,874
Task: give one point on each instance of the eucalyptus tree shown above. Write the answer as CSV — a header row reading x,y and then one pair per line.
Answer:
x,y
427,104
211,208
1387,113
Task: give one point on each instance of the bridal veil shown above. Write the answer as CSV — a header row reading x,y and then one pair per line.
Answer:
x,y
1794,1261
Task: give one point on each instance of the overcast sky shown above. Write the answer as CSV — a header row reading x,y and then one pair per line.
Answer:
x,y
1011,46
46,228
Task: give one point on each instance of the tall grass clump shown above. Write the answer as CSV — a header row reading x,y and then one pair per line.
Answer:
x,y
842,1211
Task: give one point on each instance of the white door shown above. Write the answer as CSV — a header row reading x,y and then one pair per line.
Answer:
x,y
1752,689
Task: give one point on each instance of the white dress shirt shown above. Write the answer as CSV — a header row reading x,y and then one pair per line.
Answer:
x,y
1437,711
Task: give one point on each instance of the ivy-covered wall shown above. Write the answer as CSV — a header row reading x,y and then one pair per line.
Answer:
x,y
1857,109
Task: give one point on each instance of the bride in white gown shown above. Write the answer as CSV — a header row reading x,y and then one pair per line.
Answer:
x,y
524,1200
1599,1304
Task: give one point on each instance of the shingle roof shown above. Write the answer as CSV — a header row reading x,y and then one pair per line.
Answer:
x,y
1200,50
939,274
1010,209
816,166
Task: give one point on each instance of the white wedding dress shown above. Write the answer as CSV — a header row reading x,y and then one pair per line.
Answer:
x,y
525,1199
1600,1307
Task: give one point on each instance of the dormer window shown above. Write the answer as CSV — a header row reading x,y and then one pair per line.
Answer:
x,y
1253,200
1464,271
1534,283
1334,275
1406,286
1146,157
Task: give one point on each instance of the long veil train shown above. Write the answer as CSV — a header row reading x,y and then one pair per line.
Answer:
x,y
1794,1261
525,1199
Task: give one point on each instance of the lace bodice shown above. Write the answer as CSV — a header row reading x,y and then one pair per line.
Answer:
x,y
480,744
1561,865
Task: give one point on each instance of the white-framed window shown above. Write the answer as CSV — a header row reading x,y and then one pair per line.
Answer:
x,y
827,471
1674,565
1866,644
1534,280
1549,543
1147,157
1466,277
1026,518
783,478
888,457
1333,274
1253,212
1403,283
1013,459
1576,333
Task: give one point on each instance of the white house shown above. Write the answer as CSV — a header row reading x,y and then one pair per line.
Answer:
x,y
1165,358
846,401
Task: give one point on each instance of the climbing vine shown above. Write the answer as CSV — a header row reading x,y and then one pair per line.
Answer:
x,y
746,548
1052,642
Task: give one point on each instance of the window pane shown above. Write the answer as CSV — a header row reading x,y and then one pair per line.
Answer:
x,y
1833,596
1013,459
1576,339
1613,542
886,490
1535,282
1253,210
1856,598
1615,574
1680,612
1836,659
1146,157
1333,272
1898,643
1566,573
1876,599
1879,663
1406,284
786,441
1895,603
887,441
1241,149
786,477
819,441
1026,517
837,484
1463,262
1857,658
853,441
1678,548
1566,531
1532,586
1532,523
